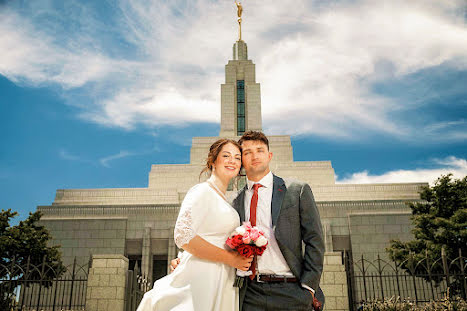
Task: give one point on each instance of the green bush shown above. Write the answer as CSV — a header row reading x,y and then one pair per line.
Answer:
x,y
396,304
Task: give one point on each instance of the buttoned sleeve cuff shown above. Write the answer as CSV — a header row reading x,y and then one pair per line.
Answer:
x,y
308,287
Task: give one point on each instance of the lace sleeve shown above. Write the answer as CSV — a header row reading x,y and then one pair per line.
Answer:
x,y
191,212
183,232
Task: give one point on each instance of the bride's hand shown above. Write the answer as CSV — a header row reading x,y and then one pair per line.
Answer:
x,y
240,262
174,264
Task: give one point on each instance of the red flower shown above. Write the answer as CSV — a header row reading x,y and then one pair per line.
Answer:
x,y
235,241
259,250
246,250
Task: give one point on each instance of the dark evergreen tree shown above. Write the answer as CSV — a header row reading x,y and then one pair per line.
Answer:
x,y
24,253
440,222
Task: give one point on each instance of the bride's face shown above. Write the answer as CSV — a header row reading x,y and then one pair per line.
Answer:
x,y
228,162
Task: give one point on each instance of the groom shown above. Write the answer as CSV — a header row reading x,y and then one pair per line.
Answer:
x,y
289,271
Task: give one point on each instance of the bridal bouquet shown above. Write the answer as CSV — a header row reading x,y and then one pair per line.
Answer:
x,y
248,241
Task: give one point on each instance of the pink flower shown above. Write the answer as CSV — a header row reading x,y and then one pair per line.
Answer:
x,y
247,226
254,234
246,238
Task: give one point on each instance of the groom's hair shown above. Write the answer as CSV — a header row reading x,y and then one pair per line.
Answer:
x,y
254,135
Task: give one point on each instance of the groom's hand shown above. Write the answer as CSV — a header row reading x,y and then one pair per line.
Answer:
x,y
312,294
316,304
174,263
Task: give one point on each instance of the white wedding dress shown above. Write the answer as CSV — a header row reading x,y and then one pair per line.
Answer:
x,y
197,284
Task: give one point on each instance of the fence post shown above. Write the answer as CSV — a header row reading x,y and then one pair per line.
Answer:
x,y
446,268
364,278
129,289
10,281
349,274
137,279
397,279
412,271
72,283
40,282
55,296
380,277
428,266
23,287
461,262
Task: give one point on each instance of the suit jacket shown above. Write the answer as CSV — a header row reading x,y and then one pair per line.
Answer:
x,y
297,228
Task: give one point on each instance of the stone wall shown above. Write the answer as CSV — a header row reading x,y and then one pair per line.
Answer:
x,y
371,233
82,238
334,283
106,283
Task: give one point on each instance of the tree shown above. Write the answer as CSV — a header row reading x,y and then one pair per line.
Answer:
x,y
25,245
440,222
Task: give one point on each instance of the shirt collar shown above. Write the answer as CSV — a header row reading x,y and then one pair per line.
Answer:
x,y
266,181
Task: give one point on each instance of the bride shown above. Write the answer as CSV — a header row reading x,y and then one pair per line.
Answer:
x,y
204,278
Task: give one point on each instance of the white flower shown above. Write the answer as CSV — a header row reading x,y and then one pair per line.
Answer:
x,y
261,241
240,230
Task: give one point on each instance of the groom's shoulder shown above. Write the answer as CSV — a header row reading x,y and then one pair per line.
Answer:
x,y
291,183
235,195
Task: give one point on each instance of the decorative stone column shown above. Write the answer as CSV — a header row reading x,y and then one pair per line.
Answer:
x,y
146,256
334,283
327,236
106,283
172,251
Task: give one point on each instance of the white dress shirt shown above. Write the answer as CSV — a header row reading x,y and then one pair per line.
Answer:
x,y
271,261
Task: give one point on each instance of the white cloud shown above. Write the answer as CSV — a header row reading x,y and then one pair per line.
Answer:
x,y
33,57
453,165
446,131
122,154
105,161
315,60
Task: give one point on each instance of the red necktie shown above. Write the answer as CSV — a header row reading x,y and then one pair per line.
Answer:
x,y
253,205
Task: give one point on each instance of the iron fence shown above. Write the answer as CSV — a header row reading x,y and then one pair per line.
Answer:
x,y
419,281
28,287
136,286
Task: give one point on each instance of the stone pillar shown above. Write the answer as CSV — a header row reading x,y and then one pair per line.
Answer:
x,y
327,236
146,256
334,283
172,251
106,283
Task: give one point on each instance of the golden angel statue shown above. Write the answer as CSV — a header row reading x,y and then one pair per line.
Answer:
x,y
239,13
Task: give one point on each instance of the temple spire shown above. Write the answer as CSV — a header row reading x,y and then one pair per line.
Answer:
x,y
240,50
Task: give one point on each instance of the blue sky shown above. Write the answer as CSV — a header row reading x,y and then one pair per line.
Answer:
x,y
94,92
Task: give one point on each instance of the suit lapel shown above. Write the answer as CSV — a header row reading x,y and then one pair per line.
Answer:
x,y
278,193
239,204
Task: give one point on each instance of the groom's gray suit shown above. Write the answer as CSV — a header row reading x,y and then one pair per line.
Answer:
x,y
296,223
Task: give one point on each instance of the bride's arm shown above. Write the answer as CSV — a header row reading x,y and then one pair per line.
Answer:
x,y
193,212
201,248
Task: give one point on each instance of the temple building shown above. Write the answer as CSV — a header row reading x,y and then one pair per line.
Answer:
x,y
138,222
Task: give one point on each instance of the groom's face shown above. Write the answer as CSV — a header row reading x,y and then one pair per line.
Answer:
x,y
255,158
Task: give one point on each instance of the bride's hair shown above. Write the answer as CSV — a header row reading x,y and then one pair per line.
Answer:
x,y
214,151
